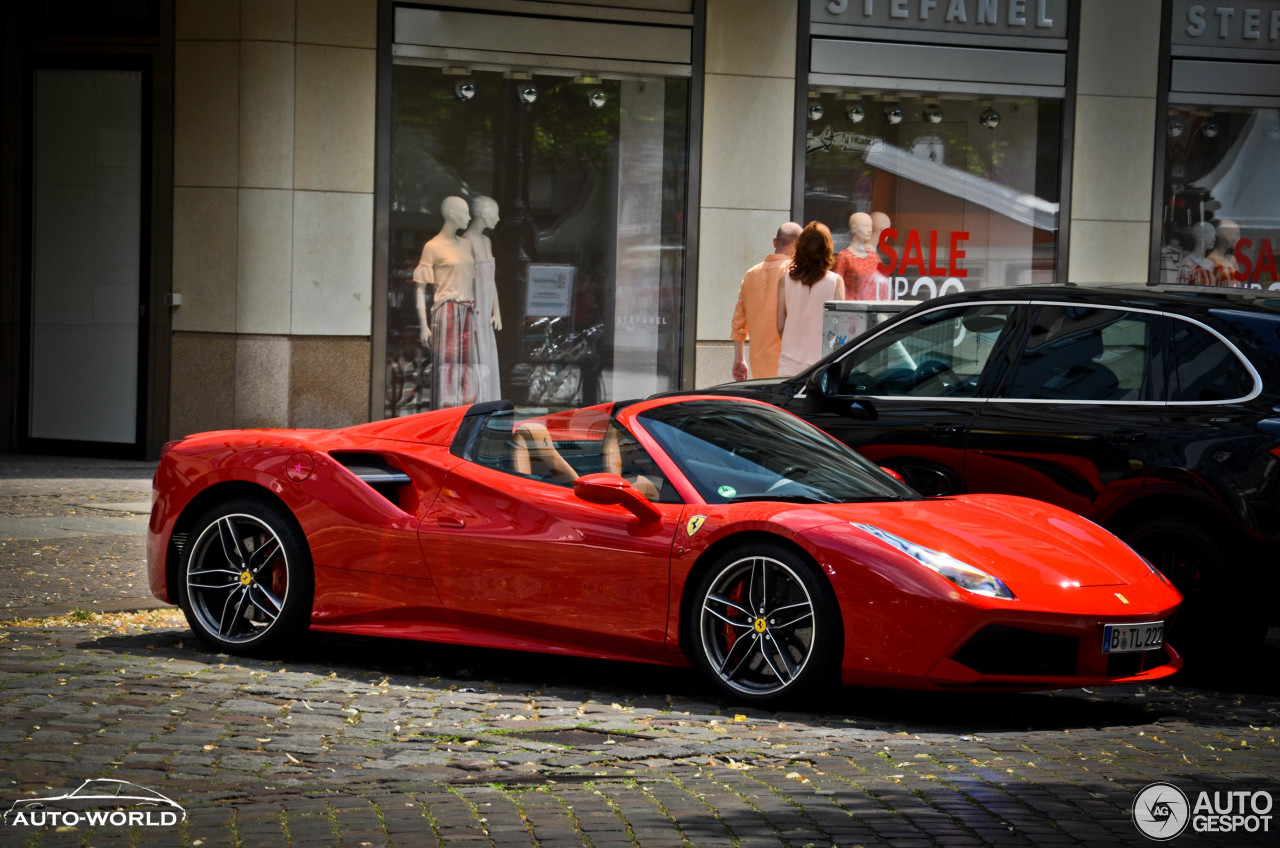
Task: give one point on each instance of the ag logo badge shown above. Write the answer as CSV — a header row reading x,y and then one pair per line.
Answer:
x,y
695,524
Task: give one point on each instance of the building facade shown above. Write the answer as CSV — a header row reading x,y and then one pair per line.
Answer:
x,y
313,213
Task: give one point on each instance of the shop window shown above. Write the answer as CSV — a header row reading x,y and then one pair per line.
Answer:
x,y
1221,197
952,192
569,196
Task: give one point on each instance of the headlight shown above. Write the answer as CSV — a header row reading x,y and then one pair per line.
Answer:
x,y
962,574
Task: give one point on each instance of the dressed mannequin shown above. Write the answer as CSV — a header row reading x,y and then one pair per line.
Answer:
x,y
1196,269
856,264
448,266
1223,254
484,216
879,223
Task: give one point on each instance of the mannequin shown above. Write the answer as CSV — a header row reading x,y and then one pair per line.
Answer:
x,y
484,216
856,264
1223,254
1196,269
448,267
879,223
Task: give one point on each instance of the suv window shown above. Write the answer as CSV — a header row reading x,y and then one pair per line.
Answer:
x,y
937,354
1085,353
1204,368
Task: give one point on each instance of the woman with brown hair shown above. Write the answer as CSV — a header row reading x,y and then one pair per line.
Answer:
x,y
809,284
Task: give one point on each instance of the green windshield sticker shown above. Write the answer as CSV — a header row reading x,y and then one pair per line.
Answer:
x,y
726,491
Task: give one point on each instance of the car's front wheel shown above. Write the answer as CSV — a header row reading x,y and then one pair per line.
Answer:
x,y
246,581
1197,563
764,624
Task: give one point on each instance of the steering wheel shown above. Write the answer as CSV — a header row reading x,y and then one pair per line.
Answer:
x,y
785,476
934,369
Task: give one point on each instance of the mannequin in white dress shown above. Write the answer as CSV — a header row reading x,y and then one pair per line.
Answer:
x,y
448,267
484,216
1196,269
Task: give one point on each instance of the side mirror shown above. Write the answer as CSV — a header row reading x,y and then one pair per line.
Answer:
x,y
607,489
822,395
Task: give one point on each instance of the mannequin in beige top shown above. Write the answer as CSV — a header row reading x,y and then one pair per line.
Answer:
x,y
448,267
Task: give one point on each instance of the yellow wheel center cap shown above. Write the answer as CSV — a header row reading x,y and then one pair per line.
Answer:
x,y
245,578
761,625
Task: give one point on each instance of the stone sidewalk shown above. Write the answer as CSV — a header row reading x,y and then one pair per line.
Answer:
x,y
357,741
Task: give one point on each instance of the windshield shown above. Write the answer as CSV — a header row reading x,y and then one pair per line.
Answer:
x,y
734,451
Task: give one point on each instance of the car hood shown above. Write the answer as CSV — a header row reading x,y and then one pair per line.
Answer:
x,y
1019,540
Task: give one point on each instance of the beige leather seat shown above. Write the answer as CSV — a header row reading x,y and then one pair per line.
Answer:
x,y
534,453
613,463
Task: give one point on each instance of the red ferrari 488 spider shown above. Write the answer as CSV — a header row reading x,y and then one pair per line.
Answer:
x,y
715,531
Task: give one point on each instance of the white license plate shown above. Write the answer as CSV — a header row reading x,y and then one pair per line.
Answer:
x,y
1127,638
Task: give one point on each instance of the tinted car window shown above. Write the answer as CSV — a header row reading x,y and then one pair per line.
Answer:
x,y
938,354
740,451
1205,369
1084,353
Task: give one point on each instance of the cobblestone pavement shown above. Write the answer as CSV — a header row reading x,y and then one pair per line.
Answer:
x,y
72,534
364,742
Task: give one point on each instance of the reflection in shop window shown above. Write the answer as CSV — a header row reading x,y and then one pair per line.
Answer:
x,y
948,192
536,237
1221,197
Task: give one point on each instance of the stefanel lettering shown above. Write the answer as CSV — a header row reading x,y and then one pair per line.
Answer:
x,y
1230,22
992,12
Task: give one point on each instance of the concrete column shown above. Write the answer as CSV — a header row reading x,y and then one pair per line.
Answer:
x,y
1115,122
746,159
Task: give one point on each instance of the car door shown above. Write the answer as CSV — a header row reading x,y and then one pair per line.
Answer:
x,y
521,554
907,397
1076,421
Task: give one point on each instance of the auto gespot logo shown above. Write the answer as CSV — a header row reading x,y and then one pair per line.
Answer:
x,y
98,802
1162,811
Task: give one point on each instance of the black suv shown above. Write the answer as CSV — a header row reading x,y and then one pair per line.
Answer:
x,y
1154,411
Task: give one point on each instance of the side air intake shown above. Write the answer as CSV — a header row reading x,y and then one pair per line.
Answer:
x,y
380,475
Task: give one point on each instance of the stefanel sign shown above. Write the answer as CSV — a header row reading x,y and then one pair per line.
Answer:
x,y
922,256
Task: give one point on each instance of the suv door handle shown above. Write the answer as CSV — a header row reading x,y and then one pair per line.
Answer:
x,y
450,521
945,431
1125,437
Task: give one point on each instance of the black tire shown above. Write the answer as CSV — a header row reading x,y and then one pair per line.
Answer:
x,y
246,581
1199,565
763,625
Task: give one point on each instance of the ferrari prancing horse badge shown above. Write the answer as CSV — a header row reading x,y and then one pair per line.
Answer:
x,y
695,524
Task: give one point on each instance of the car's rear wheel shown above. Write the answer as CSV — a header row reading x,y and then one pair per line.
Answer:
x,y
1197,563
764,624
246,581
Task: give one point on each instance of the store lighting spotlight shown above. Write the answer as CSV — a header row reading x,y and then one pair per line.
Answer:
x,y
990,118
855,113
464,91
596,98
528,94
893,114
816,111
1176,128
932,113
1211,130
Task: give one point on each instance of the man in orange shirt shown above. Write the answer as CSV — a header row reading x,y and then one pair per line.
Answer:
x,y
755,317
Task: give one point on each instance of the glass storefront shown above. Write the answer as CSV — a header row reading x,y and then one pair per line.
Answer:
x,y
537,230
962,191
934,143
1221,220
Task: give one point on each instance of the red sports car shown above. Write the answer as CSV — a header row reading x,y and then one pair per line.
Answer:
x,y
715,531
